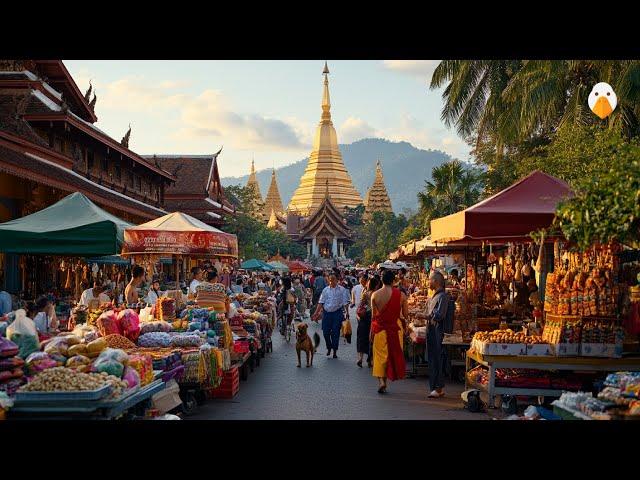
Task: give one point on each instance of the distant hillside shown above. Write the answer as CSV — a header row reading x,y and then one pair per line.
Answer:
x,y
405,169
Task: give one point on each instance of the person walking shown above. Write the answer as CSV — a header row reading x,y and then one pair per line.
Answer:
x,y
332,303
436,315
319,284
389,309
363,314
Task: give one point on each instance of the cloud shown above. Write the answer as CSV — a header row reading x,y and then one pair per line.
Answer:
x,y
354,129
417,68
205,115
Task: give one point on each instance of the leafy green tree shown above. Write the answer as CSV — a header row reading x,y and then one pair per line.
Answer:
x,y
255,240
374,240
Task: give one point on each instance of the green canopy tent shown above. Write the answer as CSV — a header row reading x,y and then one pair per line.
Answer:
x,y
73,226
279,266
255,264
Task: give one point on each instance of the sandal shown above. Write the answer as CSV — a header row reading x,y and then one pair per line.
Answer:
x,y
382,390
359,363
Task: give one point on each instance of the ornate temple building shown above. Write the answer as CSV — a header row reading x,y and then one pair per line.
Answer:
x,y
197,190
50,147
325,165
377,198
325,233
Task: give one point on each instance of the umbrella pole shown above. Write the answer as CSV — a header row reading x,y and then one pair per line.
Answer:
x,y
177,274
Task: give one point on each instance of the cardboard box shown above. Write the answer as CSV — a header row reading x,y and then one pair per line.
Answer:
x,y
167,399
606,350
566,349
539,349
501,348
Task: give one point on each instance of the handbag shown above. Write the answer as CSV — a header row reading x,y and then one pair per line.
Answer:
x,y
361,312
290,297
346,330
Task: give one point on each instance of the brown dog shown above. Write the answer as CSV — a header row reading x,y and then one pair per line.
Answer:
x,y
303,343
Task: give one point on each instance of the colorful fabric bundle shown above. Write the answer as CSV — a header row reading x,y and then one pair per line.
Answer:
x,y
212,295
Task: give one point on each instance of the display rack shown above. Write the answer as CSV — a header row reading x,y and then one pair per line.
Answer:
x,y
582,364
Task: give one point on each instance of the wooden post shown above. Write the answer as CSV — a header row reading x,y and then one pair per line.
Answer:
x,y
177,273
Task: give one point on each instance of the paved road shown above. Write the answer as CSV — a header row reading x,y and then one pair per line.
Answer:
x,y
332,389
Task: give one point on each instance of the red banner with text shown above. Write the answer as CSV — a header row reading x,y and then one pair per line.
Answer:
x,y
180,243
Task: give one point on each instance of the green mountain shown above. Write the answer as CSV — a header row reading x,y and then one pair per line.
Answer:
x,y
405,169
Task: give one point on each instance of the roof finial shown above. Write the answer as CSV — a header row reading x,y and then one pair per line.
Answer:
x,y
125,140
326,103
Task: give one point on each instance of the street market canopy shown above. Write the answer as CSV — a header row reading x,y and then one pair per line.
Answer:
x,y
279,266
255,264
179,234
73,226
298,266
511,214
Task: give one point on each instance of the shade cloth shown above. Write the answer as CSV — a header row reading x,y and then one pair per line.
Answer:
x,y
511,214
73,226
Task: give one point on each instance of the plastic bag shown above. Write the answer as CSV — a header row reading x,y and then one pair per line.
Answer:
x,y
131,376
8,348
108,324
346,330
129,324
82,331
114,354
23,333
10,363
112,367
39,361
145,315
79,363
144,366
57,346
94,348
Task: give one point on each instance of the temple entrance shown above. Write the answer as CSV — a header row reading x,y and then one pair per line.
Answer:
x,y
324,248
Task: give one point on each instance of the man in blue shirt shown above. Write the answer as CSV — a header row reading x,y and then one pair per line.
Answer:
x,y
332,303
437,314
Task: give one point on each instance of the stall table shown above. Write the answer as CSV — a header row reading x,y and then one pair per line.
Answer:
x,y
93,410
583,364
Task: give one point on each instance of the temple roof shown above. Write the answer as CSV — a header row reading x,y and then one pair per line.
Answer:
x,y
272,201
325,164
254,181
325,219
377,198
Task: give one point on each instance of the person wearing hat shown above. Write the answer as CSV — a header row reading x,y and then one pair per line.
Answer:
x,y
95,293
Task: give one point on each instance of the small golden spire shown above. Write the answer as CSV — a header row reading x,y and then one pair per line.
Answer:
x,y
326,102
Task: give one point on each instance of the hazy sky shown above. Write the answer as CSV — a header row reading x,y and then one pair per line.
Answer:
x,y
268,109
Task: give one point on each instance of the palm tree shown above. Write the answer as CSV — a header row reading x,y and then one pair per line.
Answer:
x,y
454,186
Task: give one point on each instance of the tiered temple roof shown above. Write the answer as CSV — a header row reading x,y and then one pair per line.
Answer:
x,y
327,220
272,201
377,198
325,165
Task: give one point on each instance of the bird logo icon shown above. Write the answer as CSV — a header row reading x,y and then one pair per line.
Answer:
x,y
602,100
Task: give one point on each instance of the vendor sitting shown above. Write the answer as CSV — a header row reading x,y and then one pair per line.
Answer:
x,y
95,293
154,292
45,316
213,294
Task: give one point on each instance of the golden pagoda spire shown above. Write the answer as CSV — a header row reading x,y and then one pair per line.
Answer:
x,y
273,202
377,198
253,180
325,168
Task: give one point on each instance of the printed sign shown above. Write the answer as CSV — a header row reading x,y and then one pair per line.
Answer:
x,y
180,243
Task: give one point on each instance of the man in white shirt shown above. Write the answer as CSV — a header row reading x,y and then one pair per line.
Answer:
x,y
95,293
196,274
356,292
331,304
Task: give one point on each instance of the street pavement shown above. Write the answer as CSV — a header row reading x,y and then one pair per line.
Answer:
x,y
333,389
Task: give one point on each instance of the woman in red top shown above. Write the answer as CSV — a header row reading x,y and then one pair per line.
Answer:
x,y
389,308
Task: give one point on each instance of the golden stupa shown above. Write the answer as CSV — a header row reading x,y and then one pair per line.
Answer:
x,y
253,181
325,164
377,198
273,202
259,204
